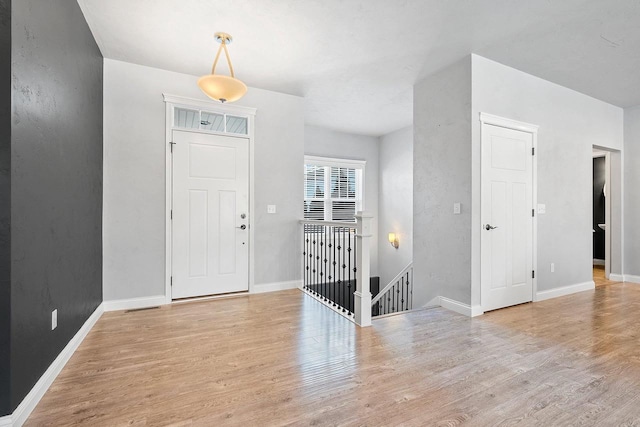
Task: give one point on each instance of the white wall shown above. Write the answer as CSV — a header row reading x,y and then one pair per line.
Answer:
x,y
134,179
395,202
570,125
632,195
441,177
328,143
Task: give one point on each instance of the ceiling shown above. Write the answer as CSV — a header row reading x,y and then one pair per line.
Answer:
x,y
355,61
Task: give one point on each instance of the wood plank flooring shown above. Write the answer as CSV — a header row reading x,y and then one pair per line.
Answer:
x,y
283,359
599,276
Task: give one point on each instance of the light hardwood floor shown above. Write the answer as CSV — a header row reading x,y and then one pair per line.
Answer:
x,y
599,276
283,359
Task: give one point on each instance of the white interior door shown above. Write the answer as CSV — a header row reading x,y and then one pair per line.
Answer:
x,y
507,217
210,235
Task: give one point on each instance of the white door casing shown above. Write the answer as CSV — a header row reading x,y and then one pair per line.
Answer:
x,y
210,236
507,212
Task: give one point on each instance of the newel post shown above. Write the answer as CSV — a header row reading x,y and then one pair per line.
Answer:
x,y
362,295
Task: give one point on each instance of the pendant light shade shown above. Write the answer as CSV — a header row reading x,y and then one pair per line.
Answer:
x,y
219,87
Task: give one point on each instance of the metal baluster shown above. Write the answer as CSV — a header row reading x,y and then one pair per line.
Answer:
x,y
327,273
333,262
312,258
339,267
344,275
349,293
394,297
315,259
355,270
306,258
402,295
407,292
410,288
320,258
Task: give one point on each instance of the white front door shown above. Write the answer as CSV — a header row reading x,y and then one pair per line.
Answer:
x,y
507,217
210,235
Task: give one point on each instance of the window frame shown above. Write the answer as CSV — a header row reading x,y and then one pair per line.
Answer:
x,y
329,162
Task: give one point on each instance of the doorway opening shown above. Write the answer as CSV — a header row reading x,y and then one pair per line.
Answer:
x,y
605,163
599,218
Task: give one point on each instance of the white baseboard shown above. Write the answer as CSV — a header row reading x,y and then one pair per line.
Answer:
x,y
30,401
476,310
134,303
459,307
276,286
565,290
631,279
597,261
616,277
433,303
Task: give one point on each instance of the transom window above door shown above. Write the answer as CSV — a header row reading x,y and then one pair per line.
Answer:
x,y
333,188
186,118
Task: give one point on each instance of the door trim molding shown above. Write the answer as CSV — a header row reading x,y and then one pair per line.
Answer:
x,y
503,122
507,123
172,101
607,209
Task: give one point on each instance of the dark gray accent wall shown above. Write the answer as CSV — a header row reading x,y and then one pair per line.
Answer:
x,y
5,201
599,180
56,183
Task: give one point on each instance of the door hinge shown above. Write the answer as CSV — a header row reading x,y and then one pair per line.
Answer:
x,y
171,279
171,213
533,212
171,144
533,274
533,151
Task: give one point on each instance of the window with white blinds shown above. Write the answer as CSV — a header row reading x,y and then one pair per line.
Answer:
x,y
332,188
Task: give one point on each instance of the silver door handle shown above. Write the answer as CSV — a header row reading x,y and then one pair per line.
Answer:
x,y
490,227
242,227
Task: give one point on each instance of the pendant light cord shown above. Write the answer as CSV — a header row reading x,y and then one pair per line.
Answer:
x,y
223,45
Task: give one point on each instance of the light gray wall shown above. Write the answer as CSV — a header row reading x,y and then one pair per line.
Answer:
x,y
441,177
632,196
134,179
614,191
570,125
395,202
328,143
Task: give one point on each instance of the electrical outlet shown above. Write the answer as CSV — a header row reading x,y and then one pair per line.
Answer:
x,y
553,267
456,208
54,319
271,209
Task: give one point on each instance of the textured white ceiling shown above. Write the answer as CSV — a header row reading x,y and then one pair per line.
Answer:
x,y
355,61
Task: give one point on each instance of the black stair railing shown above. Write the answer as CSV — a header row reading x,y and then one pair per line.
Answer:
x,y
397,296
329,255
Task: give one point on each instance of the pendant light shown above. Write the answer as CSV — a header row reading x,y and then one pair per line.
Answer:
x,y
219,87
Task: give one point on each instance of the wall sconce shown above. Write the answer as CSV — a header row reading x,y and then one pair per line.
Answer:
x,y
393,239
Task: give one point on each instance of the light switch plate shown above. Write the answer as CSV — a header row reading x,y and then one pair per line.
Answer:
x,y
456,208
271,209
542,208
54,319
